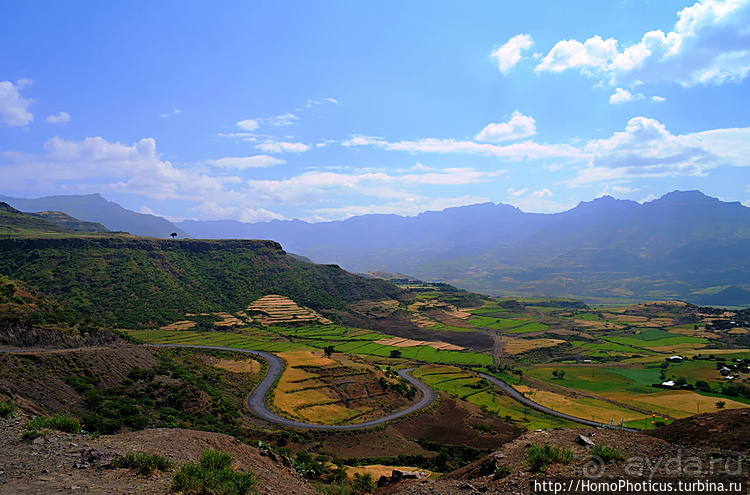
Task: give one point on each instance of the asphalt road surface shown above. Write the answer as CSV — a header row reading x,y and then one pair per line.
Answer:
x,y
257,400
522,399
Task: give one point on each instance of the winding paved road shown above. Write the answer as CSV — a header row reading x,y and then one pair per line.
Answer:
x,y
257,400
524,400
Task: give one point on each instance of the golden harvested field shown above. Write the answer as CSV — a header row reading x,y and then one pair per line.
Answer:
x,y
246,366
582,407
625,318
399,342
717,352
676,403
332,413
378,470
691,332
317,389
291,402
227,320
179,325
513,345
279,309
597,325
306,358
738,331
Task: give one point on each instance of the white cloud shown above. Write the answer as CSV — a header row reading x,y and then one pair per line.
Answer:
x,y
594,53
647,149
658,99
244,162
509,54
521,192
361,140
214,211
317,186
14,107
544,193
517,151
621,96
519,126
270,146
709,44
60,118
284,119
249,124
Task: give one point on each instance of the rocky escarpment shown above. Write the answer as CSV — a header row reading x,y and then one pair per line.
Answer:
x,y
24,336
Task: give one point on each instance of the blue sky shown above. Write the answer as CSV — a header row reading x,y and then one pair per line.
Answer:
x,y
323,110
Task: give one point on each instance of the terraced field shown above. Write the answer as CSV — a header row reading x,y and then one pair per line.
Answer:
x,y
273,309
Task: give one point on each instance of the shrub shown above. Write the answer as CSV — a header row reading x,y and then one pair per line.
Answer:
x,y
539,457
501,472
7,409
362,484
60,422
607,454
142,463
213,475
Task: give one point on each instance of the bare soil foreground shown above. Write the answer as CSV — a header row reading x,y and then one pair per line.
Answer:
x,y
71,463
706,445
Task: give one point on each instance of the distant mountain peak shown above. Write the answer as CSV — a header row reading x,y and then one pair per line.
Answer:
x,y
8,208
685,198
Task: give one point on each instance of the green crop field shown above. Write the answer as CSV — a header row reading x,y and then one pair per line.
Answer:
x,y
461,384
668,341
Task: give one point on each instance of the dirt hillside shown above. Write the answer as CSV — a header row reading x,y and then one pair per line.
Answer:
x,y
64,462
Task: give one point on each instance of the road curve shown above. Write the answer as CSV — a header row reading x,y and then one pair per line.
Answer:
x,y
257,400
524,400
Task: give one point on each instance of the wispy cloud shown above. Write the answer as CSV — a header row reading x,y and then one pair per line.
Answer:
x,y
245,162
14,108
621,96
60,118
509,54
271,146
519,126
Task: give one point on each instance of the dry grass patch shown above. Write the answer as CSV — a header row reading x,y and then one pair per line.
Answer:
x,y
227,320
295,378
279,309
332,413
378,470
179,325
716,352
513,345
625,318
305,358
676,403
581,407
290,402
401,342
246,366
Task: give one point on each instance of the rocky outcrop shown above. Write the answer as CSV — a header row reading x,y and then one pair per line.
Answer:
x,y
21,336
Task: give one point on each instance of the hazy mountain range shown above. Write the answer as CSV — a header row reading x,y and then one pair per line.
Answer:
x,y
684,245
94,208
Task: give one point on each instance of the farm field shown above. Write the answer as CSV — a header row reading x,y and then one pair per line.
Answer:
x,y
625,349
582,407
470,387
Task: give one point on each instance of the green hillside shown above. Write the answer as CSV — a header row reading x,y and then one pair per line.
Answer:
x,y
130,282
70,223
